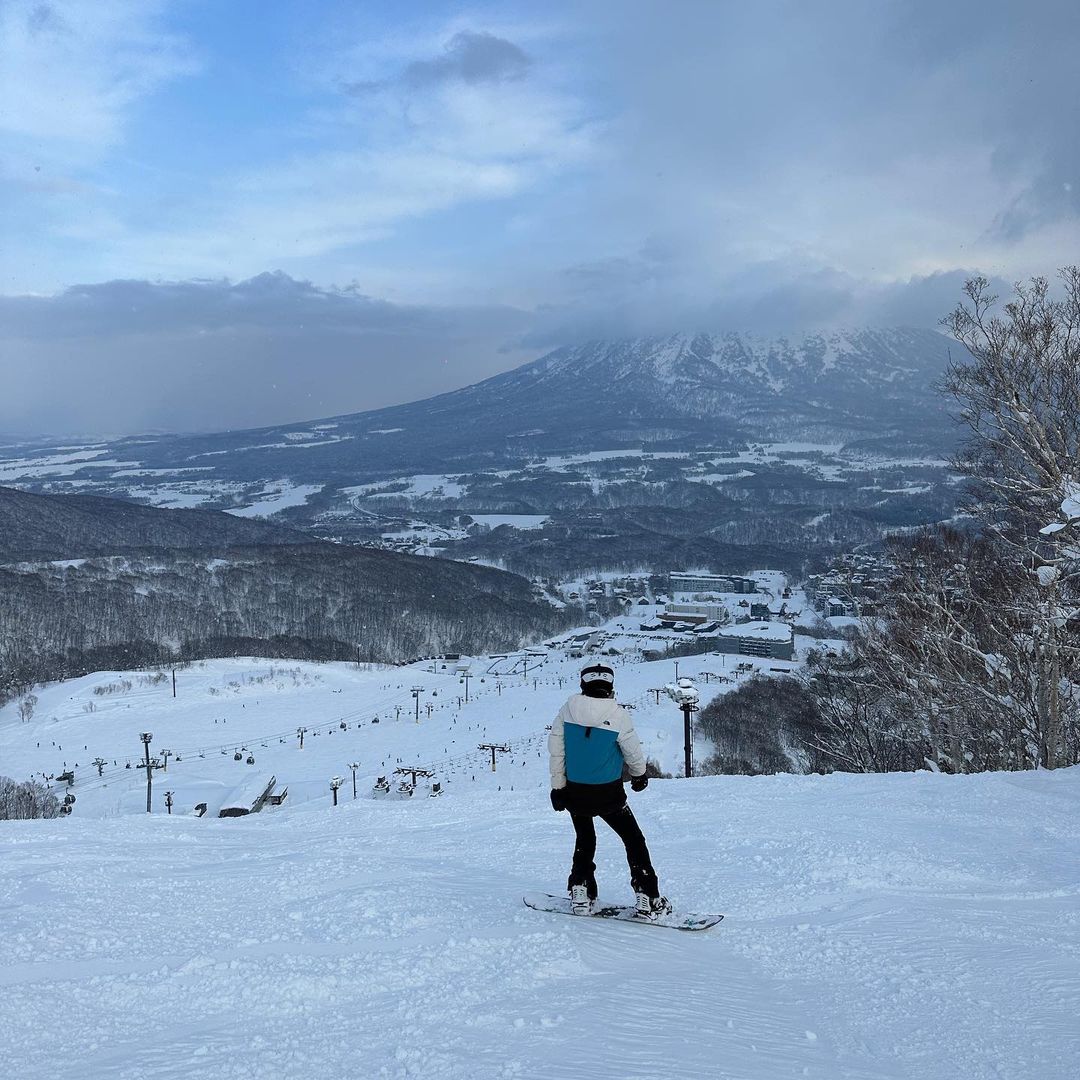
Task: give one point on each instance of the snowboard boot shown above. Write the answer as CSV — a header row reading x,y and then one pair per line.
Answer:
x,y
652,907
580,904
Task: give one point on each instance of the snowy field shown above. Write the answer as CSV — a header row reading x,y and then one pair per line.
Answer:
x,y
906,926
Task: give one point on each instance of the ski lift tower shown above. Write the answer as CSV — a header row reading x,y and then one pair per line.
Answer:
x,y
412,771
416,691
464,675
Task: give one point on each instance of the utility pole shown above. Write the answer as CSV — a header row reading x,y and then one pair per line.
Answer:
x,y
429,708
100,763
335,783
174,682
146,738
166,754
168,801
465,677
658,691
416,691
676,670
495,748
301,731
354,765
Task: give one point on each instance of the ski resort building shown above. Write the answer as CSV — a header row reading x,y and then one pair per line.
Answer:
x,y
695,613
680,581
773,640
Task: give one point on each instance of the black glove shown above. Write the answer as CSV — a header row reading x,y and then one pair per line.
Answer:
x,y
639,783
558,799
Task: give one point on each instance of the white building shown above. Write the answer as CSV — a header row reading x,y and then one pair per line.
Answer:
x,y
681,581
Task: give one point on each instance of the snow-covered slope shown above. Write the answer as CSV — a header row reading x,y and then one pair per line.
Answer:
x,y
906,927
368,715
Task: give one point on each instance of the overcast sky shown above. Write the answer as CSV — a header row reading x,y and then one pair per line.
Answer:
x,y
229,214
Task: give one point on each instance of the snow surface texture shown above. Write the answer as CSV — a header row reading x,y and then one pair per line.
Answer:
x,y
905,926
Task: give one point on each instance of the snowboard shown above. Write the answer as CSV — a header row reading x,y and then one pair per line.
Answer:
x,y
560,905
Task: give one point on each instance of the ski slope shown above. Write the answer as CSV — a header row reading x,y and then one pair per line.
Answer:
x,y
903,926
920,926
229,710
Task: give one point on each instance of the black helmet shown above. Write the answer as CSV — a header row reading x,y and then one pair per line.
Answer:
x,y
598,680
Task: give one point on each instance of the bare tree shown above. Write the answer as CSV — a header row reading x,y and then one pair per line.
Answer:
x,y
1019,397
20,801
859,726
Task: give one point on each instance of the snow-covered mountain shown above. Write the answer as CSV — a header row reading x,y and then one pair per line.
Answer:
x,y
820,385
715,390
690,388
699,434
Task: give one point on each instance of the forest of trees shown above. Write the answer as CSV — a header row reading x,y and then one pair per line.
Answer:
x,y
315,601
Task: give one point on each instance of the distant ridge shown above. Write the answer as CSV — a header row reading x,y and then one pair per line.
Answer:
x,y
83,526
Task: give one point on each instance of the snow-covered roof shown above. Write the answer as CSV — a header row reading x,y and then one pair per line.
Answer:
x,y
764,631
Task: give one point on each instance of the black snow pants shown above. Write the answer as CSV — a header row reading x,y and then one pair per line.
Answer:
x,y
622,820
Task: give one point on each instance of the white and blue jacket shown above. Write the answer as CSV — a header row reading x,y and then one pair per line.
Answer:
x,y
590,740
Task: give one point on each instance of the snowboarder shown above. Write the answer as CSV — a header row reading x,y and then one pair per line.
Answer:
x,y
591,740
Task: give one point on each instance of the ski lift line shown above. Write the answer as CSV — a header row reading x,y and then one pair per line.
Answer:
x,y
291,732
287,733
114,773
524,742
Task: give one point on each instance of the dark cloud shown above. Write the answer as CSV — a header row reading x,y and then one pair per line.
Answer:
x,y
271,302
1009,74
933,99
1053,194
470,56
126,356
637,296
44,19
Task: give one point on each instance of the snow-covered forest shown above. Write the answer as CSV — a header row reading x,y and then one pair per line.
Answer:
x,y
319,601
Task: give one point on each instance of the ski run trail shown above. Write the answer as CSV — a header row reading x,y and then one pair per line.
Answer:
x,y
914,926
